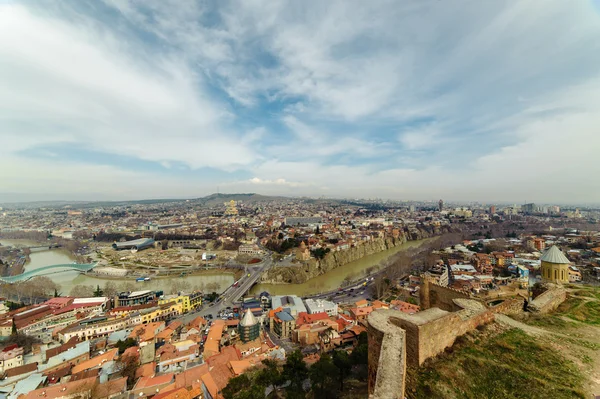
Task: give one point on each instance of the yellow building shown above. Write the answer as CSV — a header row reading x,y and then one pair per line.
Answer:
x,y
231,208
555,265
187,302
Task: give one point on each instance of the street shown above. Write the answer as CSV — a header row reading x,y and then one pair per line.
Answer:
x,y
231,294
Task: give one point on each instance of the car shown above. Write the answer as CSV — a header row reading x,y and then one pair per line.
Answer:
x,y
228,307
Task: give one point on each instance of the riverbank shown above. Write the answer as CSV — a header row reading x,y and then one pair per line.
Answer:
x,y
332,280
304,271
236,273
218,279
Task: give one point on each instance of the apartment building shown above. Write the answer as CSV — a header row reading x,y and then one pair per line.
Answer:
x,y
11,357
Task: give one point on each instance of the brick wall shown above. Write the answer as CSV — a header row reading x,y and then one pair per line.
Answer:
x,y
549,300
509,306
387,357
433,295
397,339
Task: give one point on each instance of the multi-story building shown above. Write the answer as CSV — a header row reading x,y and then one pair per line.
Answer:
x,y
483,263
291,302
249,250
188,302
134,298
11,357
95,330
249,327
321,305
282,322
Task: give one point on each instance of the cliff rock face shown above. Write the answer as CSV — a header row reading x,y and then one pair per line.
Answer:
x,y
313,268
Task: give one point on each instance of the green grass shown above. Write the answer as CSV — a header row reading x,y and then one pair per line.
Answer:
x,y
577,309
508,365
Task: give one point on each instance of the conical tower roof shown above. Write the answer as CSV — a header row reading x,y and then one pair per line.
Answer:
x,y
248,319
554,255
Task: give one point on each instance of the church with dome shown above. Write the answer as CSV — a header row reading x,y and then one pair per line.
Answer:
x,y
555,266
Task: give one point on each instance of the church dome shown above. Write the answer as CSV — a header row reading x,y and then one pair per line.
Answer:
x,y
554,255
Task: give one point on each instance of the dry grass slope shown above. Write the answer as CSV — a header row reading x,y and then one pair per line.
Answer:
x,y
497,364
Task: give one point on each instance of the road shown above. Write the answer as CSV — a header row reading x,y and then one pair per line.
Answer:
x,y
232,294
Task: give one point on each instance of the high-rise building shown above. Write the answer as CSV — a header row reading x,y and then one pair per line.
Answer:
x,y
441,205
529,208
492,209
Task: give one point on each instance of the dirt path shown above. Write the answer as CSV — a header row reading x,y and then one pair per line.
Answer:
x,y
580,342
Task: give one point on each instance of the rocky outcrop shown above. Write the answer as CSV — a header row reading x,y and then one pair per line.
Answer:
x,y
312,268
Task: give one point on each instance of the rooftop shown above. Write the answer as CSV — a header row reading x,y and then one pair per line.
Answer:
x,y
554,255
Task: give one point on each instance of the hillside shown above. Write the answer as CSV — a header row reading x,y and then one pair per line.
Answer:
x,y
531,356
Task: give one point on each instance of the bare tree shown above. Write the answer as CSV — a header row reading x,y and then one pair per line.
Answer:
x,y
82,291
43,286
127,287
379,286
179,285
110,289
212,287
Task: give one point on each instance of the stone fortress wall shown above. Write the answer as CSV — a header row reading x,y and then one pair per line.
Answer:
x,y
549,300
398,340
432,295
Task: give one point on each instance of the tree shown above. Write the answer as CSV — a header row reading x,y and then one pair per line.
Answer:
x,y
23,340
98,292
212,287
82,291
110,289
269,375
235,386
123,345
295,371
180,285
341,359
14,328
128,366
360,354
322,377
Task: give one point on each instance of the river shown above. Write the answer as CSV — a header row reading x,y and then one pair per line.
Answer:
x,y
69,279
326,282
333,279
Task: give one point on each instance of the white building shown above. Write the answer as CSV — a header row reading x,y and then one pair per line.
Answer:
x,y
249,250
321,306
11,359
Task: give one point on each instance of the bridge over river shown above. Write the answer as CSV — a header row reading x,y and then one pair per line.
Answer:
x,y
43,271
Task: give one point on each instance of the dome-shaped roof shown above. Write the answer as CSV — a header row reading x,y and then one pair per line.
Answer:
x,y
554,255
248,320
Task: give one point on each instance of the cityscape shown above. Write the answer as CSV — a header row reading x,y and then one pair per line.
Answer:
x,y
205,199
203,297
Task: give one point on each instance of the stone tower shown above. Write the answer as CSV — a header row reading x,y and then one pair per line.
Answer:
x,y
555,265
424,292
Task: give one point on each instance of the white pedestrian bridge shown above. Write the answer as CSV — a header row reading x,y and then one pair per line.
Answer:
x,y
43,271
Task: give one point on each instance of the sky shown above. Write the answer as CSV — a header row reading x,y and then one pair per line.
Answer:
x,y
411,100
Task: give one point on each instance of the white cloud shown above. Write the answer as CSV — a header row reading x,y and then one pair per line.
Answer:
x,y
276,182
512,99
83,87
